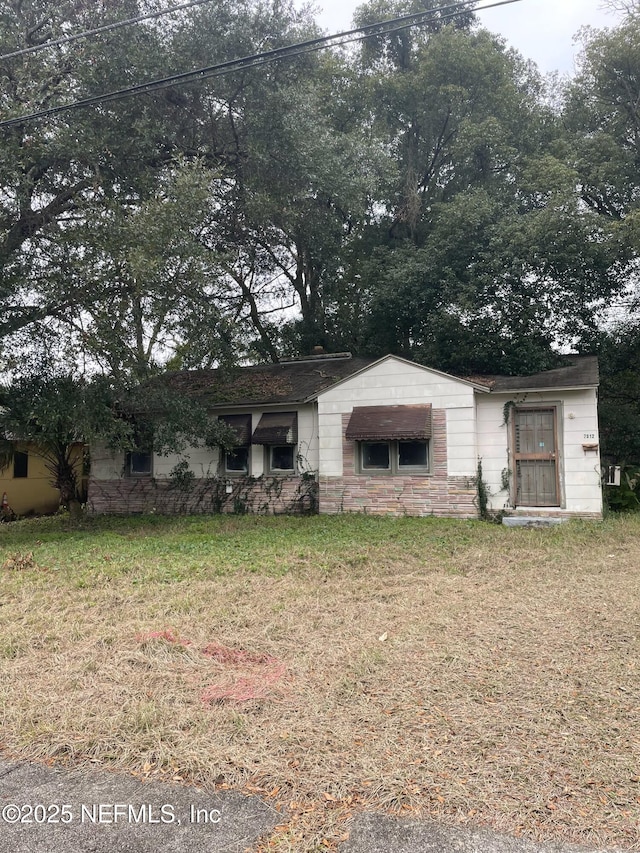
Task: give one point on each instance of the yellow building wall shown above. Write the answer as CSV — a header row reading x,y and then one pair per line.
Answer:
x,y
33,494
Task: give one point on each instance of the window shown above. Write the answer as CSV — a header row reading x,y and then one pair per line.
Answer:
x,y
278,432
393,439
281,458
139,463
395,457
413,454
375,455
20,464
236,460
612,475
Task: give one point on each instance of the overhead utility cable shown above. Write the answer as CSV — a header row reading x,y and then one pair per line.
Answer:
x,y
116,25
259,59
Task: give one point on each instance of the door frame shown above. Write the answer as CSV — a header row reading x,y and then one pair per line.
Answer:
x,y
555,408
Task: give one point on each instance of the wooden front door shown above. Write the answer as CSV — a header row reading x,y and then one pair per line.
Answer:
x,y
535,441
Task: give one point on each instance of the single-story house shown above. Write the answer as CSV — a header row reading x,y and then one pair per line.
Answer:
x,y
26,480
334,433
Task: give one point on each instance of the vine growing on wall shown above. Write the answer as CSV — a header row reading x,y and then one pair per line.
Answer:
x,y
181,476
483,493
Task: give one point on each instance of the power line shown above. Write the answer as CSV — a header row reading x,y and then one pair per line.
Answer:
x,y
99,30
258,59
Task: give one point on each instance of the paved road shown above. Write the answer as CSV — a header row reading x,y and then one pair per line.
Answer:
x,y
47,810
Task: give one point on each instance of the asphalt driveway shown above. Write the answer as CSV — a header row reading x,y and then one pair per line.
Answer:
x,y
53,810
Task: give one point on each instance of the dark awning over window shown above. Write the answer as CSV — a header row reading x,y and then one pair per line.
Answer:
x,y
277,428
388,423
241,425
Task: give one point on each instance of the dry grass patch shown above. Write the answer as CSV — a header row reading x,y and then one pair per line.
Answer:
x,y
462,671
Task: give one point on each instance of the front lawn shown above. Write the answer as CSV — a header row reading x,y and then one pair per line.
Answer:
x,y
460,670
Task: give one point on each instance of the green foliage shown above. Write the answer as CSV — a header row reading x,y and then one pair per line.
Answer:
x,y
483,493
466,277
60,413
507,409
619,395
419,195
181,476
50,171
603,115
153,288
626,496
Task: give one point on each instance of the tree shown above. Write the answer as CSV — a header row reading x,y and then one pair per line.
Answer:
x,y
602,118
619,395
298,172
456,268
415,195
153,292
52,169
278,183
60,412
627,6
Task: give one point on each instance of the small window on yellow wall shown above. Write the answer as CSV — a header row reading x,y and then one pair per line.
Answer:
x,y
20,464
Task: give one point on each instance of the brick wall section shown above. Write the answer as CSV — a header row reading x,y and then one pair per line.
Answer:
x,y
433,494
266,495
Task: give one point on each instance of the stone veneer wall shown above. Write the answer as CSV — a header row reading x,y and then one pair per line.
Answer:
x,y
416,494
266,495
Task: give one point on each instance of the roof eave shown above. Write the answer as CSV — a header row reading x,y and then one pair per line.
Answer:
x,y
524,389
256,404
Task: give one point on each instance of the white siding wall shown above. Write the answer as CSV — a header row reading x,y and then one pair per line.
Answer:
x,y
308,438
577,422
105,463
394,382
203,461
462,457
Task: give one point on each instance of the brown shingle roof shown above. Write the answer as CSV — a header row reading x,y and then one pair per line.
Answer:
x,y
297,381
577,372
266,384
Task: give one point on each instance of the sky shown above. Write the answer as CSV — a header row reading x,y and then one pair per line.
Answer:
x,y
542,30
